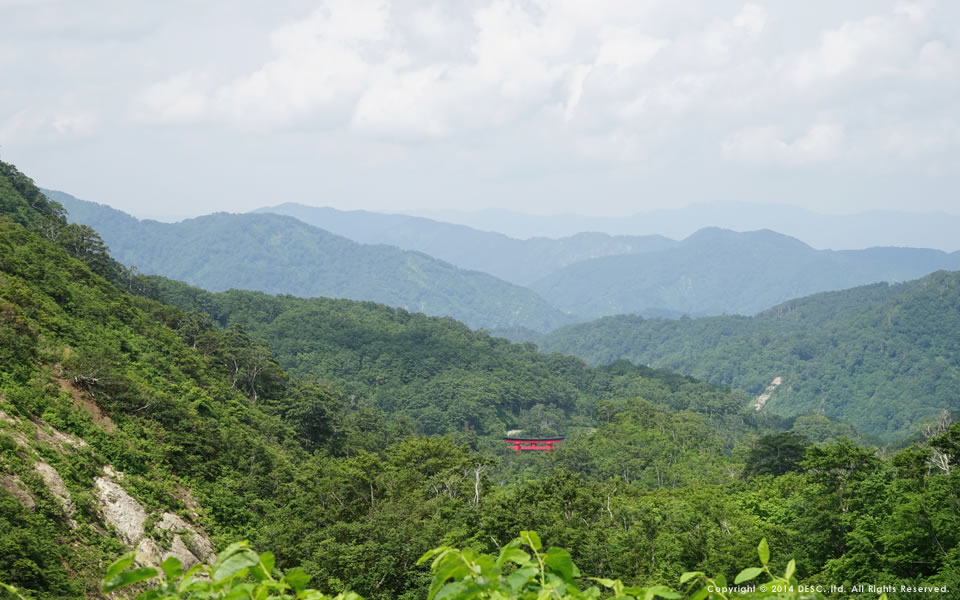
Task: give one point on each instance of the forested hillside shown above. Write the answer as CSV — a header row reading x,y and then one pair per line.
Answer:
x,y
131,424
717,272
520,261
438,372
882,358
278,254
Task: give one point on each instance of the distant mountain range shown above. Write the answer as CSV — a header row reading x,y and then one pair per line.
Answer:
x,y
282,255
453,270
716,271
837,232
713,271
518,261
881,357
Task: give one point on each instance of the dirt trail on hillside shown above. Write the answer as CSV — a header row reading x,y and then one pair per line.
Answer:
x,y
762,398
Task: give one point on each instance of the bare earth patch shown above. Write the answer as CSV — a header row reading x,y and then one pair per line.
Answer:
x,y
762,398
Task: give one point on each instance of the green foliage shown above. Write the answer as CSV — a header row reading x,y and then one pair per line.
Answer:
x,y
881,358
239,572
520,570
314,451
437,372
776,454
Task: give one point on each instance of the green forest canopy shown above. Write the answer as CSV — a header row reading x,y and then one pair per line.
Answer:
x,y
654,479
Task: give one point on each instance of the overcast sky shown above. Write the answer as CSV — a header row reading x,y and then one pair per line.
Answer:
x,y
601,107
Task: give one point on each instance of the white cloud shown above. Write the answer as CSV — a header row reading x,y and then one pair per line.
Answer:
x,y
178,99
628,48
875,46
768,145
51,126
404,105
865,85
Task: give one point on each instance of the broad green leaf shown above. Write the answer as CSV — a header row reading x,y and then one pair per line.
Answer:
x,y
700,594
791,569
235,564
690,575
764,551
457,590
591,593
635,591
172,568
532,539
154,594
431,553
516,580
232,549
119,565
607,583
485,566
188,581
297,578
128,578
661,591
267,561
747,574
240,590
11,589
450,568
560,563
515,555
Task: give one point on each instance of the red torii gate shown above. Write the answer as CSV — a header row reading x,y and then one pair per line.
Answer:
x,y
533,444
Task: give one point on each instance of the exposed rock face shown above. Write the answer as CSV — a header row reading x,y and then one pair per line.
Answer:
x,y
120,510
57,438
56,486
188,545
170,535
18,437
198,543
193,507
12,484
186,542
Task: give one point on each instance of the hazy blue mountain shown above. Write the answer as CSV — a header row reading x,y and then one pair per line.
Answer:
x,y
717,271
282,255
861,230
517,261
881,357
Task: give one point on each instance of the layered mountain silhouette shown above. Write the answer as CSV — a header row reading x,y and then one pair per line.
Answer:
x,y
823,231
716,271
515,260
453,270
282,255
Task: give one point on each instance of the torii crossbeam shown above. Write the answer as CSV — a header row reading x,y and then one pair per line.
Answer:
x,y
533,444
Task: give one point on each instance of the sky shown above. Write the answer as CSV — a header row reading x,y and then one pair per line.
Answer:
x,y
606,107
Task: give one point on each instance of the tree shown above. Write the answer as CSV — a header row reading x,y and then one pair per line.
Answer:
x,y
776,454
84,243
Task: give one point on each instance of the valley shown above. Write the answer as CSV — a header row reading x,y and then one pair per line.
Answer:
x,y
350,437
